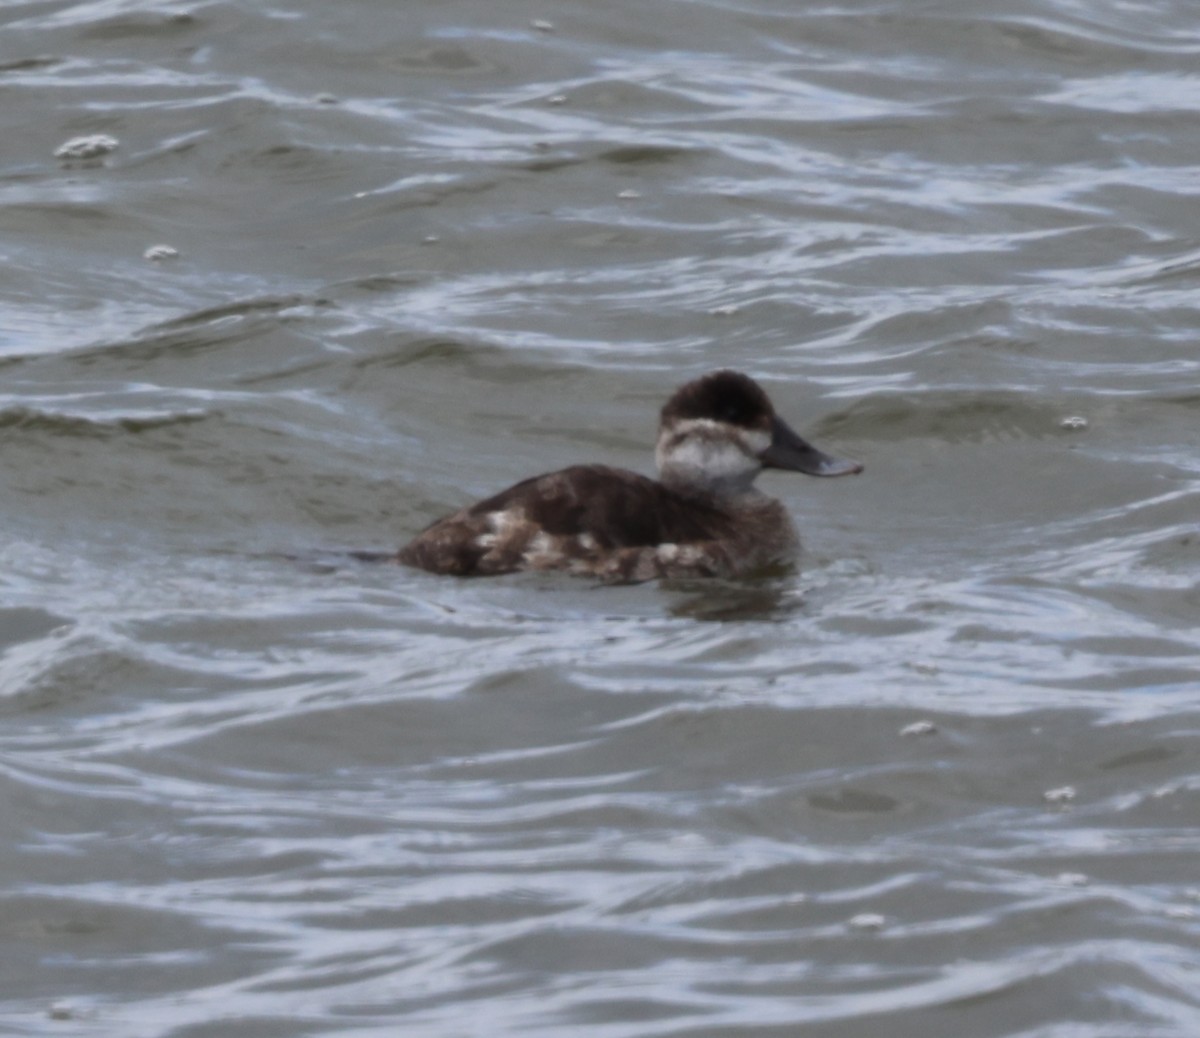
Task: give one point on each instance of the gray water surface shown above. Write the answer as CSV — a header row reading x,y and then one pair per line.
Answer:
x,y
940,780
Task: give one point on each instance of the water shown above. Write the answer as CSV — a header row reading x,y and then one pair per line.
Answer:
x,y
940,780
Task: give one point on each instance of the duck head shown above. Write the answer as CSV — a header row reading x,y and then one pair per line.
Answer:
x,y
718,432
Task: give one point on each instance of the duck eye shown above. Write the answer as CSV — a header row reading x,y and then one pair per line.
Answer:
x,y
735,413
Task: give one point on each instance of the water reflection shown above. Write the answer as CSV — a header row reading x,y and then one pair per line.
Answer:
x,y
718,601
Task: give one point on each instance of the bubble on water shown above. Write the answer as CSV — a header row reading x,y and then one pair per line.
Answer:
x,y
629,193
1073,879
430,239
89,147
157,253
558,99
919,728
1074,422
542,25
1061,795
869,921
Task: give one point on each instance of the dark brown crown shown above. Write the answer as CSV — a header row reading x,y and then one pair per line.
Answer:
x,y
722,396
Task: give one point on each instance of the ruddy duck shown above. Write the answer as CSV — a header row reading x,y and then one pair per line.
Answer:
x,y
703,517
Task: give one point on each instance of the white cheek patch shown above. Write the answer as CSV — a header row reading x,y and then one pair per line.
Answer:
x,y
711,456
718,460
756,441
698,425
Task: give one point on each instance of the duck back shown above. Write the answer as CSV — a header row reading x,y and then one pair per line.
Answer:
x,y
585,518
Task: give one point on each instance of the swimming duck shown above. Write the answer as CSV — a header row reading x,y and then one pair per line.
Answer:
x,y
702,517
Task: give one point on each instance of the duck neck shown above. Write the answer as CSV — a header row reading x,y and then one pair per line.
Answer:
x,y
726,490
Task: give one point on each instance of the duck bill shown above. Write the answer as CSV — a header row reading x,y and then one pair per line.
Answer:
x,y
789,450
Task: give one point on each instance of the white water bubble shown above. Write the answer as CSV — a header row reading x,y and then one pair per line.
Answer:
x,y
919,728
868,921
89,147
158,253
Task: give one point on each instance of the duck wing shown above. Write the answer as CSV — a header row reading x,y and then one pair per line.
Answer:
x,y
571,519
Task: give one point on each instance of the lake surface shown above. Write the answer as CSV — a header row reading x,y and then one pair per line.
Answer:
x,y
942,779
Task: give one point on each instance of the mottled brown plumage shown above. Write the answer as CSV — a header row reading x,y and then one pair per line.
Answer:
x,y
704,518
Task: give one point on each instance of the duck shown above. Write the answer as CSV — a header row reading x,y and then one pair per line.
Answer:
x,y
702,517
